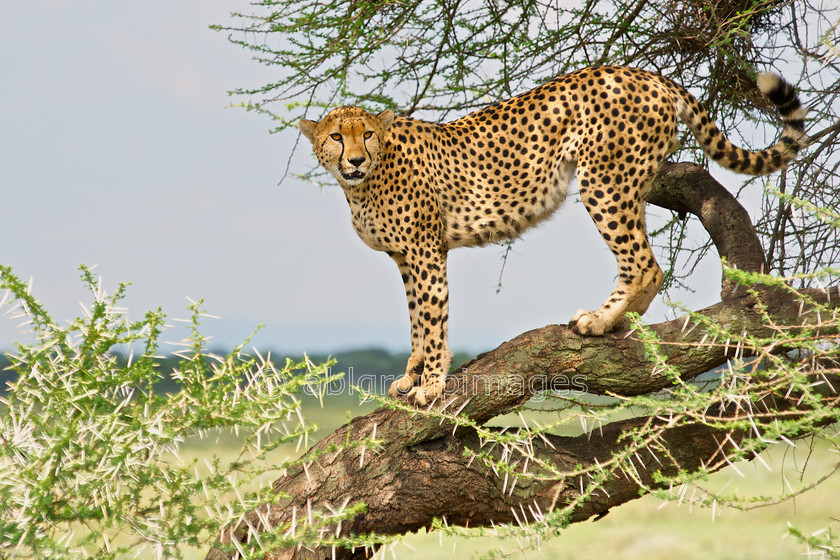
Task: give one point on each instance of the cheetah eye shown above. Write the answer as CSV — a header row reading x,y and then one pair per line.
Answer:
x,y
336,136
367,134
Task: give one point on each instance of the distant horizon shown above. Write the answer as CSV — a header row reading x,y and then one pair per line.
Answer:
x,y
311,339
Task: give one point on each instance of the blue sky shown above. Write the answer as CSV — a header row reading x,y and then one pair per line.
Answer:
x,y
118,150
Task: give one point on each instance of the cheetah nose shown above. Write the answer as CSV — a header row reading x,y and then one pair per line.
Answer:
x,y
357,161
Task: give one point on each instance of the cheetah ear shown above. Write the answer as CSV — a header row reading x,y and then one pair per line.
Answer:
x,y
386,117
307,127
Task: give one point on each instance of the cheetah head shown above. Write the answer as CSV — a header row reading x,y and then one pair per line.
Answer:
x,y
348,142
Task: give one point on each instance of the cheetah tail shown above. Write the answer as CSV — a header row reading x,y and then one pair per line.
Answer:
x,y
718,147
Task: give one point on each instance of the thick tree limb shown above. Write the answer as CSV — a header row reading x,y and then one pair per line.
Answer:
x,y
424,467
687,188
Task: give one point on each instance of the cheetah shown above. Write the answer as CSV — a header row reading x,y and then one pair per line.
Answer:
x,y
417,189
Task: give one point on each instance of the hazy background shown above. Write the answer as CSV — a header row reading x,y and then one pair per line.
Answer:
x,y
117,150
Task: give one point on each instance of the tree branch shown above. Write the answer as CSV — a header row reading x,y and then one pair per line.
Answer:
x,y
425,466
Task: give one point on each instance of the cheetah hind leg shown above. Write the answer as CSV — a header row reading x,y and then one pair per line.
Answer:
x,y
641,304
623,229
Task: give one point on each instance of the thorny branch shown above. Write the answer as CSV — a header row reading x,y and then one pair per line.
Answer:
x,y
445,463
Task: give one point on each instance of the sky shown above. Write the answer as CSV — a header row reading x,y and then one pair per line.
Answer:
x,y
118,148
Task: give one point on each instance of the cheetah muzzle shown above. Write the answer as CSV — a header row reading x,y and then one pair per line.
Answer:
x,y
418,189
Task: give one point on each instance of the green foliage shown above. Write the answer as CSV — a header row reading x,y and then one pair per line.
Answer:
x,y
90,445
822,544
445,55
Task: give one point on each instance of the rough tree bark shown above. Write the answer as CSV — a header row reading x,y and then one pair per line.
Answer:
x,y
422,470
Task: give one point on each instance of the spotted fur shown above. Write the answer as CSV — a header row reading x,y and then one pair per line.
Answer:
x,y
418,189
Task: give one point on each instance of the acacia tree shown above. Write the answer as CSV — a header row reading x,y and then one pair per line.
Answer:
x,y
773,339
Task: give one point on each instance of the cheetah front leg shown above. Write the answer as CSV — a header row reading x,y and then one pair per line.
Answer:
x,y
622,225
431,301
414,367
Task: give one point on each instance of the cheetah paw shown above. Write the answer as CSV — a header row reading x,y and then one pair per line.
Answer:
x,y
588,323
426,393
402,386
593,323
